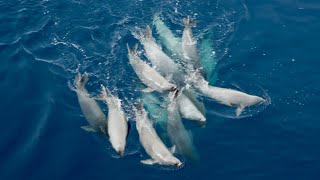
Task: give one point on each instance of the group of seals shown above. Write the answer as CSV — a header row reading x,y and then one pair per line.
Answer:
x,y
170,77
115,127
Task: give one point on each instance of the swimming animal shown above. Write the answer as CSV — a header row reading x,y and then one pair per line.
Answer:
x,y
177,133
173,44
160,60
225,96
117,122
148,75
189,46
90,109
151,142
166,66
208,59
168,39
189,109
157,109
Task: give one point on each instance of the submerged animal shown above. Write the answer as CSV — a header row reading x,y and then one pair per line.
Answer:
x,y
148,75
117,122
90,109
151,142
156,108
177,133
169,40
208,59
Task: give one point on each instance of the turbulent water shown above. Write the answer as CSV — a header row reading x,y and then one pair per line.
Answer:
x,y
266,48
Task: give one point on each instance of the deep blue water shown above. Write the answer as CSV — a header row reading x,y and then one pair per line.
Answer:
x,y
267,44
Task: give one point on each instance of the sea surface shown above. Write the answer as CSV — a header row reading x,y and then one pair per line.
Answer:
x,y
268,48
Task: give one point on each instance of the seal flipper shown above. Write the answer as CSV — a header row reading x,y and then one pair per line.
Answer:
x,y
239,110
104,130
148,161
133,51
88,128
172,149
104,95
80,80
147,90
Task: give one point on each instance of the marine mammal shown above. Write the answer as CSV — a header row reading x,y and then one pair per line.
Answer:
x,y
151,142
148,75
177,133
156,108
228,97
89,107
189,109
117,122
225,96
160,60
169,69
189,46
169,40
208,59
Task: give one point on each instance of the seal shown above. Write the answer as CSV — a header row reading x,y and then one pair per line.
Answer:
x,y
189,109
225,96
177,133
160,60
189,47
89,107
151,142
117,122
148,75
167,37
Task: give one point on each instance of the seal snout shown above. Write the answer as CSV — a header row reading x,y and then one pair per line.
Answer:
x,y
202,123
120,152
178,164
202,119
262,101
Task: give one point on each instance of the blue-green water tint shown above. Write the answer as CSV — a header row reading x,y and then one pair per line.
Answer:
x,y
156,107
272,44
208,59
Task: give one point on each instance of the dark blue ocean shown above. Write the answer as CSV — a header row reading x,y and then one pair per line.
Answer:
x,y
268,48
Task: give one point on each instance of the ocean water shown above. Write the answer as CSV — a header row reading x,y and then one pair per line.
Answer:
x,y
269,48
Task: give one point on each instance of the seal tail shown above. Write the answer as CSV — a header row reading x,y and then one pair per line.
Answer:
x,y
188,22
80,80
133,51
156,17
104,93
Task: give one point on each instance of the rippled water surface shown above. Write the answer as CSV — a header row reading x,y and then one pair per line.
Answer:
x,y
268,48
